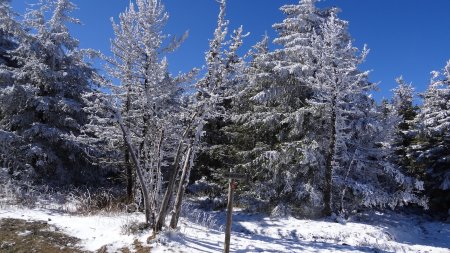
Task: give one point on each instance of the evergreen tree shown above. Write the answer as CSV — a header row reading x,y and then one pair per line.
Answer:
x,y
317,142
402,103
142,115
43,103
11,34
217,90
10,31
271,122
432,145
356,155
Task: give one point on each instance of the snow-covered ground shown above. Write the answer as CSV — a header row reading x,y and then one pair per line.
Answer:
x,y
369,232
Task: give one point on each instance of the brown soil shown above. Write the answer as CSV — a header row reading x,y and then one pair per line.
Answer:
x,y
21,236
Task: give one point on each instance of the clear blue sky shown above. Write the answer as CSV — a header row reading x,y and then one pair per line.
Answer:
x,y
406,37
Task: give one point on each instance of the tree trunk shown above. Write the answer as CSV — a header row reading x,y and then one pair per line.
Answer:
x,y
181,188
128,166
136,162
157,176
343,211
172,177
129,171
328,186
145,145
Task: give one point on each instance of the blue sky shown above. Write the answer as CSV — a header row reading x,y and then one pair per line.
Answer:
x,y
406,37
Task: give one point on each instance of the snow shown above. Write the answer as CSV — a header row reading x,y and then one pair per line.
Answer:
x,y
24,233
371,232
94,231
367,232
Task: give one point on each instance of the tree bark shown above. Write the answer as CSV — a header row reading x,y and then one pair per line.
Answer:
x,y
345,182
328,186
181,188
128,166
136,162
129,171
172,177
158,169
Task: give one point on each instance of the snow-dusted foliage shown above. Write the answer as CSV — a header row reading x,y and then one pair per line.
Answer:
x,y
217,96
10,35
431,150
41,102
146,101
354,139
266,131
298,120
311,135
403,104
10,30
217,87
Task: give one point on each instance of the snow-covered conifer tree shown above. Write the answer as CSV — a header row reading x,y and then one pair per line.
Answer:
x,y
315,101
269,120
356,154
217,92
146,101
214,91
11,34
47,87
403,105
431,149
10,30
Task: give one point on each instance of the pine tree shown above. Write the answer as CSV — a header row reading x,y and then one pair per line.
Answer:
x,y
217,92
11,34
147,118
432,147
403,105
48,84
273,121
270,121
357,155
326,150
10,30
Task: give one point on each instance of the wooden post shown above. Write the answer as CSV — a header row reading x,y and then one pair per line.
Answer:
x,y
231,187
229,216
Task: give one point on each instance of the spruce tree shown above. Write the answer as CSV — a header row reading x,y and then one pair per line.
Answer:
x,y
403,104
432,144
47,86
318,144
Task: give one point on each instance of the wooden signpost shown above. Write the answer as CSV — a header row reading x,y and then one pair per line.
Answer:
x,y
232,185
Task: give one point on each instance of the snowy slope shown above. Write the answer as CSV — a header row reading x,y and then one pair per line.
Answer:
x,y
370,232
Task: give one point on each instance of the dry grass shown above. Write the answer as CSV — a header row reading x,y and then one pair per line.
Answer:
x,y
138,248
20,236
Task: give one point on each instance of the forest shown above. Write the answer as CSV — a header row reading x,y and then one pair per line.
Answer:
x,y
298,120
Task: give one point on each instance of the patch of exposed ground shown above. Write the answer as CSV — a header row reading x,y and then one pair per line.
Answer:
x,y
21,236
